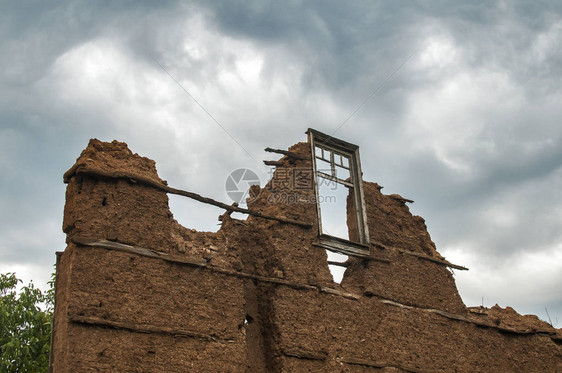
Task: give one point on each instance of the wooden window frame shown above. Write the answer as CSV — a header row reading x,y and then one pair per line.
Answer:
x,y
360,248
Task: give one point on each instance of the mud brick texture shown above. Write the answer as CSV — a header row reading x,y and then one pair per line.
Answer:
x,y
138,292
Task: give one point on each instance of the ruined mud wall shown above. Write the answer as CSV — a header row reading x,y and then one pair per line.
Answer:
x,y
136,291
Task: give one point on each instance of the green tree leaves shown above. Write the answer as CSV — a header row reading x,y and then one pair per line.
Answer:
x,y
25,326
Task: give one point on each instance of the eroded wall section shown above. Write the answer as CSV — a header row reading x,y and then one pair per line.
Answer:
x,y
138,292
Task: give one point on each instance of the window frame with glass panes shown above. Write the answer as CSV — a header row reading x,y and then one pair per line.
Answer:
x,y
332,157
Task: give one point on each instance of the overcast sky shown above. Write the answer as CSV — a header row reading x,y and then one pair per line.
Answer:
x,y
464,115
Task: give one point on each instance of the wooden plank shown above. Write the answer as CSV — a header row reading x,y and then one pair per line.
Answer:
x,y
273,163
148,329
110,245
435,260
463,318
85,171
374,364
327,140
342,250
442,262
339,264
346,247
287,153
340,293
399,198
305,354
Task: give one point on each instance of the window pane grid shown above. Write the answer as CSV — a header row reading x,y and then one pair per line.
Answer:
x,y
335,160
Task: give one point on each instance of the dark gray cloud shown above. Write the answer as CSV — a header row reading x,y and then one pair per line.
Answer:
x,y
467,127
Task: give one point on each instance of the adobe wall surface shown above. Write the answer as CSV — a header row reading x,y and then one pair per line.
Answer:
x,y
138,292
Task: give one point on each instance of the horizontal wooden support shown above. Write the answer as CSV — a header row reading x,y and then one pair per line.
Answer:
x,y
273,163
339,264
343,294
287,153
381,365
434,260
110,245
343,246
442,262
344,249
148,329
85,171
117,246
463,318
305,354
401,199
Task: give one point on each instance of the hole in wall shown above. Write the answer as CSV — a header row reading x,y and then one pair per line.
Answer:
x,y
194,214
248,320
239,215
332,198
336,270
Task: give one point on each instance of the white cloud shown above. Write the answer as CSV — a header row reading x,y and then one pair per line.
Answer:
x,y
529,282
